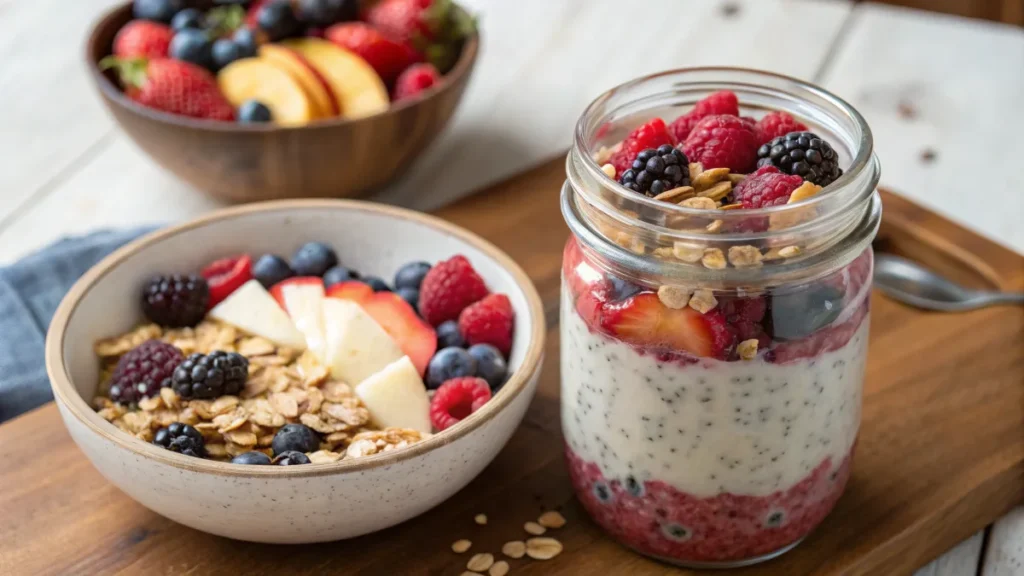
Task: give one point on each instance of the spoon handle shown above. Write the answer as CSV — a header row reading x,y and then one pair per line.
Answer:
x,y
996,298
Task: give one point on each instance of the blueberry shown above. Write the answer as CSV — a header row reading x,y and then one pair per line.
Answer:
x,y
270,269
278,20
490,364
157,10
224,52
248,41
622,289
297,437
796,315
253,111
339,274
313,259
376,283
291,458
410,295
411,275
192,45
187,18
326,12
251,458
447,364
448,335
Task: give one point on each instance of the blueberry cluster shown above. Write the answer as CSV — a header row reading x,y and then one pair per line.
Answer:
x,y
657,170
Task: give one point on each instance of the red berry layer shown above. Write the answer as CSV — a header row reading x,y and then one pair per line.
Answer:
x,y
657,519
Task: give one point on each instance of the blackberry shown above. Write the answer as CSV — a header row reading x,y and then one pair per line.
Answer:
x,y
176,301
656,170
211,375
143,370
802,154
181,438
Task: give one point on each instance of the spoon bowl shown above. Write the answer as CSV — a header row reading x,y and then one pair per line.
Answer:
x,y
911,283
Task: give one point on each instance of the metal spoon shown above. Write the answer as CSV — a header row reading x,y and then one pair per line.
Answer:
x,y
913,284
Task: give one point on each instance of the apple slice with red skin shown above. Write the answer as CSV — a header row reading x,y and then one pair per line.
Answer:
x,y
316,87
642,320
277,290
358,292
414,336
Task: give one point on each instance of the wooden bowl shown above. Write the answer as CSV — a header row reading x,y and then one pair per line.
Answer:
x,y
288,504
246,163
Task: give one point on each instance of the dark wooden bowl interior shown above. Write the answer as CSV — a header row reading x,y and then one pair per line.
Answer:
x,y
248,163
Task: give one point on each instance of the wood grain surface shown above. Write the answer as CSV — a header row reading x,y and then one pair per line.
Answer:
x,y
941,452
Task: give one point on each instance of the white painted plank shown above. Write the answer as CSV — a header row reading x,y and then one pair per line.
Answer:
x,y
1005,553
960,561
960,85
49,113
541,63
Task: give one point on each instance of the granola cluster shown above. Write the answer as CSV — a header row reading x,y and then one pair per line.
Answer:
x,y
283,386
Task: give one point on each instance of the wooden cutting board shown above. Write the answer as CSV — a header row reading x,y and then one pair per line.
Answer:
x,y
941,450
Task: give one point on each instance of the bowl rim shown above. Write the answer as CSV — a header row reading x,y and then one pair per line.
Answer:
x,y
67,396
462,68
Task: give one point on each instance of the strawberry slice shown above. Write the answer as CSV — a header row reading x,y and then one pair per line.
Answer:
x,y
642,320
225,276
415,337
277,290
351,290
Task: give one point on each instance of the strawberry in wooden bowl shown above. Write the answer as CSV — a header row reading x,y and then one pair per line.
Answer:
x,y
270,99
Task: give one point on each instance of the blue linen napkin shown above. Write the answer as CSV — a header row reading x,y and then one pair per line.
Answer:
x,y
30,291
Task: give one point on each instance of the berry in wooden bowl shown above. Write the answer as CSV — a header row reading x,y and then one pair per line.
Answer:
x,y
282,99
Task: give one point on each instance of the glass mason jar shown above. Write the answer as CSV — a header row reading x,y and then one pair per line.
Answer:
x,y
713,360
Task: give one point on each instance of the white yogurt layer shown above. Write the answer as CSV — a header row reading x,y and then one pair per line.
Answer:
x,y
746,427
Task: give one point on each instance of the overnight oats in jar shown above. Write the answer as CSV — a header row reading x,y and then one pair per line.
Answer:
x,y
714,316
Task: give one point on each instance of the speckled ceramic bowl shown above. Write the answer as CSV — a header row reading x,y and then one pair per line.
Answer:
x,y
298,504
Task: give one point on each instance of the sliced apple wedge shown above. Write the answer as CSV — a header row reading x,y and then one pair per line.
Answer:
x,y
258,79
302,298
319,91
357,347
396,397
252,309
358,88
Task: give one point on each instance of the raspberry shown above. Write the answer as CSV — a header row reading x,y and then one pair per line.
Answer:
x,y
722,102
456,399
650,135
448,288
181,438
766,187
723,142
143,370
211,375
775,124
176,301
415,79
489,321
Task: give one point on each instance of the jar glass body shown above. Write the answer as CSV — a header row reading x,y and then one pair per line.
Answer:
x,y
711,405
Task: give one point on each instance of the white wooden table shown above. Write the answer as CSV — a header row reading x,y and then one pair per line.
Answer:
x,y
943,95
